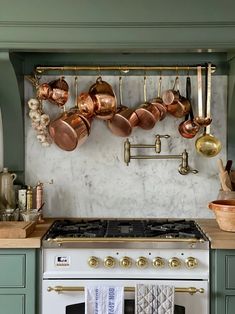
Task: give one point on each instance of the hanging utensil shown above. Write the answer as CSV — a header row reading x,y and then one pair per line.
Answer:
x,y
59,94
147,113
207,144
188,128
158,102
125,119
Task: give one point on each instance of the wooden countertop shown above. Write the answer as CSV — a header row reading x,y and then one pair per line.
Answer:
x,y
32,241
219,239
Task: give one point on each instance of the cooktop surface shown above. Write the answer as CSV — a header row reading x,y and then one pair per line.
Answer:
x,y
127,228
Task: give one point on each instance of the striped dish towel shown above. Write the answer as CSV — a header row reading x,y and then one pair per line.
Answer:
x,y
104,300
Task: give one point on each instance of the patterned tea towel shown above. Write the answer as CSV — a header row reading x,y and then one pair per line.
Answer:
x,y
104,300
154,299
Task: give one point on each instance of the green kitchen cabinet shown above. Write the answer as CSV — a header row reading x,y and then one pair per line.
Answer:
x,y
223,282
17,281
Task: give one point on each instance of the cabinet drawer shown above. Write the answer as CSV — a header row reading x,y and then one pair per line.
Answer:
x,y
13,270
12,304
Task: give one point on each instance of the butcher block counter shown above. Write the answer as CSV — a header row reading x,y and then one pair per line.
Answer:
x,y
33,241
219,239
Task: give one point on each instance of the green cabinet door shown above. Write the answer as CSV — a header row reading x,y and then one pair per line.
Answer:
x,y
17,281
223,282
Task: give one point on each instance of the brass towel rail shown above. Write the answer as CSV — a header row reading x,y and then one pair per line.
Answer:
x,y
42,69
60,289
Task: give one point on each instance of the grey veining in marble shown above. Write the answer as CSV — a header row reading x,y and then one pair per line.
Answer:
x,y
93,181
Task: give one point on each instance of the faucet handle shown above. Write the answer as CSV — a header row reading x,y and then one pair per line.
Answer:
x,y
184,167
158,144
127,151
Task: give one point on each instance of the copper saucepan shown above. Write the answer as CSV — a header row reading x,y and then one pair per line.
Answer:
x,y
124,120
147,113
158,102
104,99
59,92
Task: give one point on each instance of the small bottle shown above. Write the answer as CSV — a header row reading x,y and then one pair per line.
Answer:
x,y
22,199
29,198
39,194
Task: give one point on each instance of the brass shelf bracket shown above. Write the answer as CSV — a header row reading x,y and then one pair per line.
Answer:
x,y
183,168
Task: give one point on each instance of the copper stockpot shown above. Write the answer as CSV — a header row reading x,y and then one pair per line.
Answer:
x,y
124,120
69,130
59,94
103,96
148,114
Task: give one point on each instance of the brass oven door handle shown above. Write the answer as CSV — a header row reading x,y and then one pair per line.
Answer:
x,y
59,289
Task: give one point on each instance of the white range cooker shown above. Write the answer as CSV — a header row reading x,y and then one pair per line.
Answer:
x,y
77,253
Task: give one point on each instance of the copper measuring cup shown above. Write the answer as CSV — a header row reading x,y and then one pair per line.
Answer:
x,y
188,128
125,119
148,114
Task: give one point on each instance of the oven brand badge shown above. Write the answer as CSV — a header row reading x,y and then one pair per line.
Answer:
x,y
62,261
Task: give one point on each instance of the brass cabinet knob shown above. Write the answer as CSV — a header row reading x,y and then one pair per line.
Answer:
x,y
109,262
158,262
174,262
191,262
141,262
125,262
93,261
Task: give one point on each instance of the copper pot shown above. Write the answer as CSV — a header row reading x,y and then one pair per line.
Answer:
x,y
148,114
86,105
124,120
44,91
69,130
59,95
103,96
158,102
171,96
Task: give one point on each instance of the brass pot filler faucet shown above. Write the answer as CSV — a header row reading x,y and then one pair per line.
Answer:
x,y
183,167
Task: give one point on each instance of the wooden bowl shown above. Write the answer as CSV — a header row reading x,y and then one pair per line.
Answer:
x,y
224,211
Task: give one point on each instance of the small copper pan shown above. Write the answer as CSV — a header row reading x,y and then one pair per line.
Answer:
x,y
124,120
103,96
158,102
147,113
59,94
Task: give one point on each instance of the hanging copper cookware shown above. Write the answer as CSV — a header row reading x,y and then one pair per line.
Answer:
x,y
147,113
124,120
188,128
70,129
44,91
158,102
104,99
176,105
59,94
86,105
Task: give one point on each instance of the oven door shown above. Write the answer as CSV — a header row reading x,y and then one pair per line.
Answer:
x,y
67,296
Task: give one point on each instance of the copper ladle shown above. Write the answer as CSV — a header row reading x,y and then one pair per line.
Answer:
x,y
207,144
188,128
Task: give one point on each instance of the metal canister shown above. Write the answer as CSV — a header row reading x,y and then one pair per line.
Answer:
x,y
29,198
22,199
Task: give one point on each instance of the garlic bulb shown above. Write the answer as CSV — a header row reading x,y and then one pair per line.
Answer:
x,y
34,125
41,138
35,115
45,119
46,144
33,104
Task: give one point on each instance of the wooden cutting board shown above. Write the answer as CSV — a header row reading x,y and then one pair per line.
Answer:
x,y
16,229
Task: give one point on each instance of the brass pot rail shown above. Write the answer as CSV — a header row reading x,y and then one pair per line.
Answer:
x,y
60,289
42,69
183,167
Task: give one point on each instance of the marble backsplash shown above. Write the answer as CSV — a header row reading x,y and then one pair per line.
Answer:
x,y
93,180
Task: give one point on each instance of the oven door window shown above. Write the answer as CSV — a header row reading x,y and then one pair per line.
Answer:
x,y
129,308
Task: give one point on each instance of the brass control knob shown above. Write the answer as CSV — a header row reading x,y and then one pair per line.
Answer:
x,y
142,262
191,262
174,262
125,262
93,261
158,262
109,262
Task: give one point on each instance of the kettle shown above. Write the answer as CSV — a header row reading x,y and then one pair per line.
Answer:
x,y
7,193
